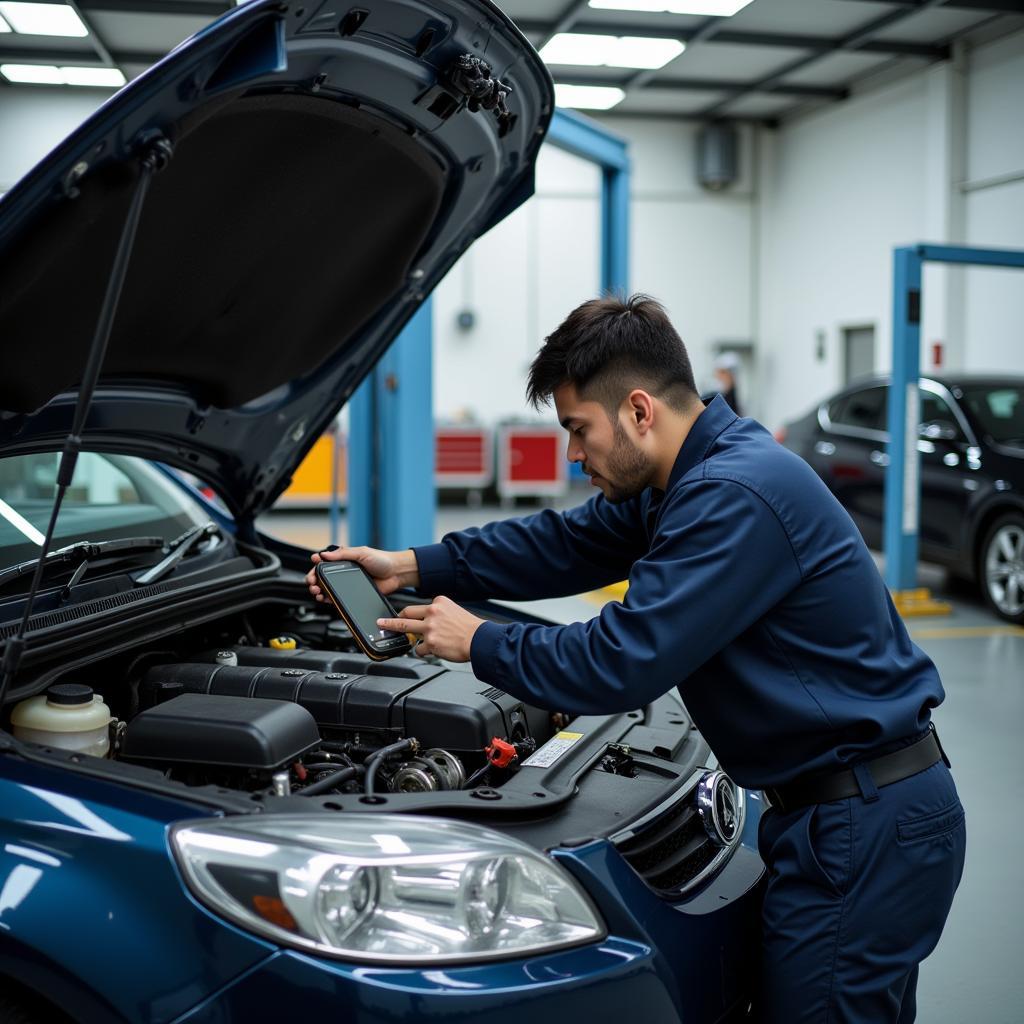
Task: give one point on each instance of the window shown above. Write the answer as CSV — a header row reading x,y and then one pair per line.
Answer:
x,y
862,410
936,410
999,410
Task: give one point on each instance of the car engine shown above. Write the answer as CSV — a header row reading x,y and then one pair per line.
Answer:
x,y
304,712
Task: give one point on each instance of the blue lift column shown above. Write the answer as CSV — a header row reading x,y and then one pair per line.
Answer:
x,y
902,479
391,494
392,497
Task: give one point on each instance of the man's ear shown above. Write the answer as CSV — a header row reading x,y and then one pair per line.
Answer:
x,y
641,409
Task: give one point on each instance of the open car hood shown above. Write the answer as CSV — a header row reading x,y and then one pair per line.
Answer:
x,y
327,171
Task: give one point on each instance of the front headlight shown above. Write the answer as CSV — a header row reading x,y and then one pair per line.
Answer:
x,y
384,887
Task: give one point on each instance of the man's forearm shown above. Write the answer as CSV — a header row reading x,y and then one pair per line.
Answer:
x,y
406,567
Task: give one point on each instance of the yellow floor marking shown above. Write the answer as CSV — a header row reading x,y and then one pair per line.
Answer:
x,y
954,632
919,603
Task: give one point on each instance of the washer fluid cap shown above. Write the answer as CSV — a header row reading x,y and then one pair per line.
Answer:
x,y
283,643
69,693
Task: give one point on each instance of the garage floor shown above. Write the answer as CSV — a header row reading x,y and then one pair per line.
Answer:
x,y
975,974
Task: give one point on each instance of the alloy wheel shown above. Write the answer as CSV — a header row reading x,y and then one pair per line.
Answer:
x,y
1004,568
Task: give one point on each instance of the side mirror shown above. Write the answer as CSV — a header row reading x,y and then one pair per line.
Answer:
x,y
939,430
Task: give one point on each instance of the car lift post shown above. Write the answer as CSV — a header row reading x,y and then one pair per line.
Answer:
x,y
902,475
391,425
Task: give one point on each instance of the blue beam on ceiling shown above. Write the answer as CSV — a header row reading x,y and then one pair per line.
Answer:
x,y
902,479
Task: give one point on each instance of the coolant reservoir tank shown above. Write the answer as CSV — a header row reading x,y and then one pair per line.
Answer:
x,y
69,716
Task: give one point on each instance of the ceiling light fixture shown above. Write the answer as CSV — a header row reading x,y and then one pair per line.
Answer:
x,y
611,51
96,77
707,8
32,74
4,27
587,97
48,74
43,19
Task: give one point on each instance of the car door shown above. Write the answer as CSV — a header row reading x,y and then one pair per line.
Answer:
x,y
947,473
851,455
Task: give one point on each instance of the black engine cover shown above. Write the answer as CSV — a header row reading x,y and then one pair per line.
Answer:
x,y
394,699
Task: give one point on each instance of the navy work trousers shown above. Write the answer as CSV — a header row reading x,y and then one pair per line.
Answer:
x,y
858,893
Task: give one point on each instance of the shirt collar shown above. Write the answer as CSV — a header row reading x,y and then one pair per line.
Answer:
x,y
703,434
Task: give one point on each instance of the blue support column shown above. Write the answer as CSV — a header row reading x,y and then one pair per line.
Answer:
x,y
392,497
615,231
902,478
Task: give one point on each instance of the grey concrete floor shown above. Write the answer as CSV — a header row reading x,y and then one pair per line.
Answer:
x,y
976,976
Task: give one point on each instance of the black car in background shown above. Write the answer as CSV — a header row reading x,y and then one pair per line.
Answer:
x,y
971,445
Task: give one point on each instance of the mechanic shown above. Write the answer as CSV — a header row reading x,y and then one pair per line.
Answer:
x,y
725,369
751,590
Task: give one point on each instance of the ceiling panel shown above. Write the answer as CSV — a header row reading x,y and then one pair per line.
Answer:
x,y
933,26
666,101
533,10
13,43
671,22
762,105
809,17
839,68
158,33
729,61
133,70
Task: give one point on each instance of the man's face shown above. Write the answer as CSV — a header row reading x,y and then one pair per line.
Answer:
x,y
602,446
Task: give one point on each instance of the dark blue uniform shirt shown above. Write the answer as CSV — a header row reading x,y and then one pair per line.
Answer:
x,y
749,588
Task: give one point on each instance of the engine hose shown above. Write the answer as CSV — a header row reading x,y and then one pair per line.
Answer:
x,y
477,776
329,782
378,757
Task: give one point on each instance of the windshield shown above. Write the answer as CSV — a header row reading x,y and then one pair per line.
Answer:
x,y
999,408
110,497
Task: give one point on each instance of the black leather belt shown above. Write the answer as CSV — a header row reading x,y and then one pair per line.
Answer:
x,y
888,768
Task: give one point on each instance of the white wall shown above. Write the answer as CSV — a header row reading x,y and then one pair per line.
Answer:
x,y
842,187
994,201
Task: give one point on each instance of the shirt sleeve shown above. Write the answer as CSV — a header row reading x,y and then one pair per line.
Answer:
x,y
549,554
720,560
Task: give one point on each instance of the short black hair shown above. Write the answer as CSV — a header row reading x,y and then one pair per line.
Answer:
x,y
608,346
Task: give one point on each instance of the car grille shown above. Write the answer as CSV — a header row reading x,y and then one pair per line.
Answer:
x,y
670,849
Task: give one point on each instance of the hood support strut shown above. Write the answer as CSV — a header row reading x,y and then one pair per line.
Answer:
x,y
156,154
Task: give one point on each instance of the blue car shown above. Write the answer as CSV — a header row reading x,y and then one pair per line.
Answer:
x,y
213,808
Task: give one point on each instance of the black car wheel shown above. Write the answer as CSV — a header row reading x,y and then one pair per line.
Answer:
x,y
1001,567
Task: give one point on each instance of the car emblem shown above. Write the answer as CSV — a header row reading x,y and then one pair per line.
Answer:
x,y
718,806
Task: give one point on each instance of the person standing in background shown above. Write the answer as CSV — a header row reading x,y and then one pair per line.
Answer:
x,y
725,368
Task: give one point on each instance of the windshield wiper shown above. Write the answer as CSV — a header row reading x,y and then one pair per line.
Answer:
x,y
82,551
178,548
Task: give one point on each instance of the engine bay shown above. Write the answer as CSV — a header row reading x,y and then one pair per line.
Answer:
x,y
219,718
279,701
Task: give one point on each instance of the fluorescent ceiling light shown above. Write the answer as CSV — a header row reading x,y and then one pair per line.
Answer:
x,y
710,8
101,77
47,74
32,74
611,51
43,19
588,97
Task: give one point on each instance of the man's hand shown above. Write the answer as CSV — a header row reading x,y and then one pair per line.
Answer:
x,y
446,629
389,569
